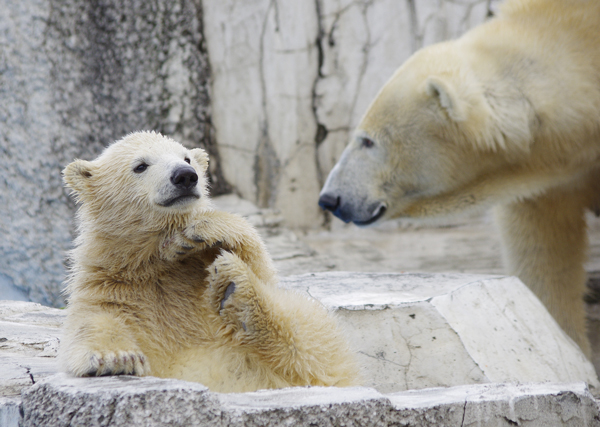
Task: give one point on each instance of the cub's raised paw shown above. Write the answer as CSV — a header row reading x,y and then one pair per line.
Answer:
x,y
185,242
213,234
233,293
176,247
103,363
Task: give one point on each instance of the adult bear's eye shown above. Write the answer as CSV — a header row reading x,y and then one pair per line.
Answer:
x,y
140,168
367,143
187,160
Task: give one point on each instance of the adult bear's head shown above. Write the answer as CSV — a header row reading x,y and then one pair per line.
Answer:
x,y
428,142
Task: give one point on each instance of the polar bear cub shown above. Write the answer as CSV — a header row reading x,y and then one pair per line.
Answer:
x,y
162,284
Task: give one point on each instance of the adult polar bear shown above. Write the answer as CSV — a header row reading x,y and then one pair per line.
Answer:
x,y
506,115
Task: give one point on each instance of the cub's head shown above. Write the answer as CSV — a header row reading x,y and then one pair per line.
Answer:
x,y
145,179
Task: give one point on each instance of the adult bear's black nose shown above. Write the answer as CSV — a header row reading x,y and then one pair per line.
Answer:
x,y
329,202
184,177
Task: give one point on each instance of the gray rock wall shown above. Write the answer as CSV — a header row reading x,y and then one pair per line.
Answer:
x,y
74,76
271,88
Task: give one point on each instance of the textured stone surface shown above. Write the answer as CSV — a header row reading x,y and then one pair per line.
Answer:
x,y
410,331
495,405
74,76
118,401
265,60
9,411
29,340
291,80
307,407
129,401
414,331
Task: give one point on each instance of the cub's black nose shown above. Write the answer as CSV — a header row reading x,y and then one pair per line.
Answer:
x,y
184,177
329,202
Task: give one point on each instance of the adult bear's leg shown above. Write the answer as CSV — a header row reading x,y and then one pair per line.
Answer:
x,y
545,245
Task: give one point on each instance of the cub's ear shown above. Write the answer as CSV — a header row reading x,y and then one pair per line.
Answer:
x,y
448,97
77,175
201,158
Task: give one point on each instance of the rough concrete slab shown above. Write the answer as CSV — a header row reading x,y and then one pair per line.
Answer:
x,y
29,329
10,411
415,331
307,406
409,331
29,340
118,401
467,245
130,401
494,405
18,372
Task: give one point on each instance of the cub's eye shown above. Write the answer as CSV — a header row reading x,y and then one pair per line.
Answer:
x,y
140,168
367,143
187,160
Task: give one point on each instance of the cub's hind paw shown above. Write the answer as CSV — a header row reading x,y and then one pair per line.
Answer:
x,y
115,363
232,292
226,274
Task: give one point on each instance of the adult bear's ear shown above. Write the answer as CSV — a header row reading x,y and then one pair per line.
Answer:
x,y
77,175
448,97
494,119
201,158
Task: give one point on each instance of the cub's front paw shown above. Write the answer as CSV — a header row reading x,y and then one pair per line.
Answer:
x,y
101,363
178,246
209,235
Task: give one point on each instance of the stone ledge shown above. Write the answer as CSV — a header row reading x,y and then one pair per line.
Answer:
x,y
413,331
10,415
410,331
61,400
545,404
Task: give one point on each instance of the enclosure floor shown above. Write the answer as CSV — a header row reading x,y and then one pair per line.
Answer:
x,y
471,245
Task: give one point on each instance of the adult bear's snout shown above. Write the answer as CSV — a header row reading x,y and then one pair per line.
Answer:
x,y
184,177
333,203
329,202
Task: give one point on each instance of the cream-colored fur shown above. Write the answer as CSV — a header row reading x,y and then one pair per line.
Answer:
x,y
182,290
507,115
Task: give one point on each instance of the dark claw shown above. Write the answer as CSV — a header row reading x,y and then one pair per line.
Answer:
x,y
217,244
180,253
91,373
244,326
230,289
187,248
216,271
198,239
